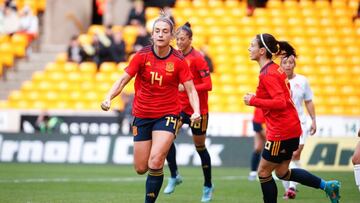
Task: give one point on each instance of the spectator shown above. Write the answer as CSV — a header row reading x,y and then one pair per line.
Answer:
x,y
29,23
47,124
143,39
102,44
74,50
11,21
137,14
118,48
109,33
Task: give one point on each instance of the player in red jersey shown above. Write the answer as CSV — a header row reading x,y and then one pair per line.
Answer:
x,y
356,162
282,123
159,69
202,81
259,141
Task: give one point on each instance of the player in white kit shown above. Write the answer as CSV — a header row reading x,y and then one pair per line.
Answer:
x,y
300,93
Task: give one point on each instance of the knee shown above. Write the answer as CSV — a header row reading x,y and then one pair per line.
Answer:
x,y
141,169
355,160
156,162
263,172
283,175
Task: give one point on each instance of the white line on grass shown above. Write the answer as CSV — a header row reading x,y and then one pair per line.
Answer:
x,y
110,179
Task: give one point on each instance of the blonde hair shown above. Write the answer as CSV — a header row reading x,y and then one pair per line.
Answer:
x,y
164,17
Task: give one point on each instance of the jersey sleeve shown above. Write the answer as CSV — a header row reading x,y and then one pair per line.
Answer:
x,y
134,65
308,95
184,71
204,72
274,89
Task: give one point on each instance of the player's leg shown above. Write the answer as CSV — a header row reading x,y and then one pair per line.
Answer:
x,y
302,176
199,137
356,162
269,161
163,134
142,144
259,140
175,178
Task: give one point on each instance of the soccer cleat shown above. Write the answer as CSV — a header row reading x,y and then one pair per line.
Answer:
x,y
173,182
332,190
291,193
252,176
207,193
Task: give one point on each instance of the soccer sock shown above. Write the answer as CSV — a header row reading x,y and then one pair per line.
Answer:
x,y
357,174
255,159
153,184
205,163
286,184
304,177
171,159
269,189
294,164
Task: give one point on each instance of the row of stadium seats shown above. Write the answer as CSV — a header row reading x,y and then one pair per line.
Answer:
x,y
328,48
12,47
35,5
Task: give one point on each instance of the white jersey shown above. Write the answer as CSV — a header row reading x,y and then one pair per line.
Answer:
x,y
300,92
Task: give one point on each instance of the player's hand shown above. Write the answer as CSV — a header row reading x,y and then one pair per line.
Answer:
x,y
247,98
313,128
181,88
105,105
195,118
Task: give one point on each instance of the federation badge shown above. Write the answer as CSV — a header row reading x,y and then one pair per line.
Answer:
x,y
134,130
169,67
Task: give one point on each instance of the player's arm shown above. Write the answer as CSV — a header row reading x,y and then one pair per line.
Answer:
x,y
273,87
311,110
204,72
193,99
115,90
118,86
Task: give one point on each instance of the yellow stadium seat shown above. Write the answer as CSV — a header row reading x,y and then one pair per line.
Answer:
x,y
183,4
152,12
6,54
274,4
95,29
88,67
85,39
108,67
19,43
71,67
61,57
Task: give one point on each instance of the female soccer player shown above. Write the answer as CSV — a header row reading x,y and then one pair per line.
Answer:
x,y
159,70
300,93
259,141
202,81
283,127
356,163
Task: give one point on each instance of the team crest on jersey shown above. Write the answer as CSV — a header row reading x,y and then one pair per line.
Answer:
x,y
169,67
134,130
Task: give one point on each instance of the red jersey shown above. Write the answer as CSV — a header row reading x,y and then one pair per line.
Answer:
x,y
202,82
156,83
273,97
258,116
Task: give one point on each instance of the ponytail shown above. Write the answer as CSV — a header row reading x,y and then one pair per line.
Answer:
x,y
286,50
187,28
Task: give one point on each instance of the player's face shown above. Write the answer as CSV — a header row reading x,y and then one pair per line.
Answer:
x,y
161,34
254,50
183,41
288,65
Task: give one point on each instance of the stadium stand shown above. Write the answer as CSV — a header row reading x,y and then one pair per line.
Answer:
x,y
326,39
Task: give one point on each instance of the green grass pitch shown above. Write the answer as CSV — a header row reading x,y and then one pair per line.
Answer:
x,y
59,183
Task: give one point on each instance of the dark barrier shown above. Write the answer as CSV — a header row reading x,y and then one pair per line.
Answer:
x,y
104,149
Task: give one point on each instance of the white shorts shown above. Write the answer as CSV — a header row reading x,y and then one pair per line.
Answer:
x,y
305,133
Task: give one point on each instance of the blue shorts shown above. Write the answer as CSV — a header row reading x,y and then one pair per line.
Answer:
x,y
196,129
279,151
142,127
257,127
